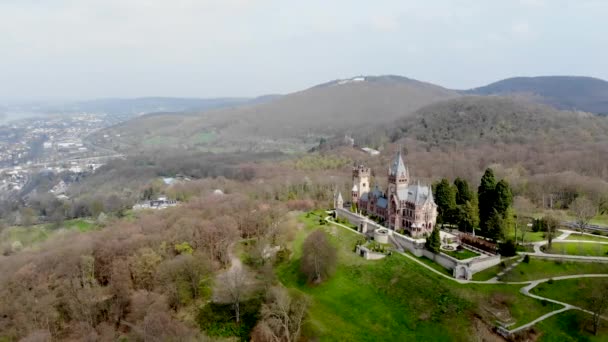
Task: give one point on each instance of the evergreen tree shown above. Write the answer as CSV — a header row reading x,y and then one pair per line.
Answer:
x,y
463,191
467,216
433,242
495,226
485,196
445,198
503,197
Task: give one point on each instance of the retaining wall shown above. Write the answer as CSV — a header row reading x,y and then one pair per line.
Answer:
x,y
416,246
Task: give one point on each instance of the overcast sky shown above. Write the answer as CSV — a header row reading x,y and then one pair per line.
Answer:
x,y
77,49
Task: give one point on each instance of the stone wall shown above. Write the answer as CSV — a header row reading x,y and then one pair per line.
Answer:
x,y
464,268
367,254
480,264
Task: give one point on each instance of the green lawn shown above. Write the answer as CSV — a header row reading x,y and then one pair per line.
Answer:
x,y
461,255
80,224
539,268
528,237
576,248
396,299
569,326
29,236
493,271
572,291
585,237
203,138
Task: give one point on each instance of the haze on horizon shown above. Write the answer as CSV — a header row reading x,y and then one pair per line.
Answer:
x,y
199,48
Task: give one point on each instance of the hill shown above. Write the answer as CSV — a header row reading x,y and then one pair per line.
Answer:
x,y
476,120
144,105
563,92
287,121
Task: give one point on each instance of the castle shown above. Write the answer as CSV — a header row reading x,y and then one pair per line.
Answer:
x,y
403,206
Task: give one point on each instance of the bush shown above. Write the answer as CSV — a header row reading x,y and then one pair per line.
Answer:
x,y
217,319
550,281
527,259
507,248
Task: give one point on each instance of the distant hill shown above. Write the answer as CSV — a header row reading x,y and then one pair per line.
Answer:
x,y
478,120
144,105
319,111
563,92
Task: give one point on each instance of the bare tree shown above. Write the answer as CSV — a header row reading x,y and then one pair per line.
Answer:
x,y
552,224
597,303
282,317
583,210
234,286
523,212
318,257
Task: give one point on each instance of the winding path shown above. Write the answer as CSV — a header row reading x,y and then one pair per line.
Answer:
x,y
563,239
530,284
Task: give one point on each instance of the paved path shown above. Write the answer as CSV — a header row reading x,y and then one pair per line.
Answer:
x,y
524,290
562,239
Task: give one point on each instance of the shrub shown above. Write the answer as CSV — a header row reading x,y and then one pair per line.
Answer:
x,y
550,281
527,259
507,248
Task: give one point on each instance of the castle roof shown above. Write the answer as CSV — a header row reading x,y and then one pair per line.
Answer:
x,y
382,202
416,193
398,166
340,197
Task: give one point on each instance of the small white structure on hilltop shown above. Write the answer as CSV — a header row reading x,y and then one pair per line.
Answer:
x,y
370,151
218,192
160,203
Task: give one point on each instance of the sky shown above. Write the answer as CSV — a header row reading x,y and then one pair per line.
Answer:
x,y
78,49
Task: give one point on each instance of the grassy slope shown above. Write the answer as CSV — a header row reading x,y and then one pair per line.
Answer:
x,y
570,326
571,291
491,272
579,237
539,269
574,248
397,299
29,236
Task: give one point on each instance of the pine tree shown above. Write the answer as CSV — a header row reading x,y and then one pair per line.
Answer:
x,y
467,216
433,242
445,198
495,226
503,198
485,196
463,191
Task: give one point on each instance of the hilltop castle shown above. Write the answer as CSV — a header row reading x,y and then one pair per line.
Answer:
x,y
403,206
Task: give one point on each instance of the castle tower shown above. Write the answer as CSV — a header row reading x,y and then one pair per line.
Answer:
x,y
398,175
361,175
338,201
398,181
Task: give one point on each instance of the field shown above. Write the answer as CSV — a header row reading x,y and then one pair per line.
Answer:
x,y
29,236
397,298
579,237
569,326
572,291
574,248
539,269
528,237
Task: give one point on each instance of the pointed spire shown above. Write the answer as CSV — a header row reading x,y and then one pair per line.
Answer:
x,y
430,198
340,197
398,166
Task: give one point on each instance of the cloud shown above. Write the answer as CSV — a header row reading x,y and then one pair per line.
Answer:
x,y
384,23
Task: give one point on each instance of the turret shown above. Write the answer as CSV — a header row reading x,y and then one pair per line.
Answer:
x,y
398,174
361,178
